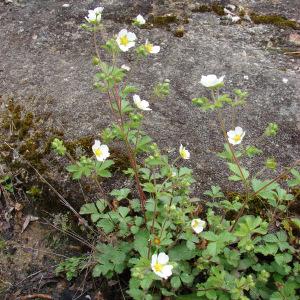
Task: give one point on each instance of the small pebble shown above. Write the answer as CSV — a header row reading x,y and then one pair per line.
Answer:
x,y
66,5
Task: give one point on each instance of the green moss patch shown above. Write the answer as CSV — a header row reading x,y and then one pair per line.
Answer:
x,y
276,20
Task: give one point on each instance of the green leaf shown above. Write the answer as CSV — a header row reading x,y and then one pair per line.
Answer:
x,y
190,245
187,278
270,238
296,180
251,151
265,188
106,225
89,208
140,243
143,144
227,154
181,252
123,210
149,187
203,103
210,236
120,194
58,146
215,192
129,89
134,229
296,222
101,168
240,173
271,129
249,225
84,167
175,282
283,258
146,282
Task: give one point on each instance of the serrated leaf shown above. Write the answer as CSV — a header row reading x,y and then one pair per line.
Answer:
x,y
175,282
141,242
120,194
240,172
187,278
181,252
101,168
123,211
88,208
106,225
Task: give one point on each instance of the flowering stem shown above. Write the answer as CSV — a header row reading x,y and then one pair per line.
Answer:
x,y
130,151
95,44
235,159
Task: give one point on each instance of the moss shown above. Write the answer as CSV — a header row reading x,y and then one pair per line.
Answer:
x,y
215,7
279,21
179,31
218,9
19,131
202,9
276,20
25,124
34,192
241,12
163,20
84,143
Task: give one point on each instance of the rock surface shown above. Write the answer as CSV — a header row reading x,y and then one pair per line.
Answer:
x,y
46,55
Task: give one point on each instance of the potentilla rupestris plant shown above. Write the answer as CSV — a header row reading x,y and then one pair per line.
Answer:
x,y
211,247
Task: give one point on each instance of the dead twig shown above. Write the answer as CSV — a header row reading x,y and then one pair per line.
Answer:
x,y
36,296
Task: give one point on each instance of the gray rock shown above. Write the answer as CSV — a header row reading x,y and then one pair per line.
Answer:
x,y
51,59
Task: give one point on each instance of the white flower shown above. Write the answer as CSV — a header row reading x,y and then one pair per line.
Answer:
x,y
235,136
139,20
150,48
101,151
141,104
159,265
285,80
184,153
234,19
95,15
198,225
66,5
211,80
125,67
126,40
246,77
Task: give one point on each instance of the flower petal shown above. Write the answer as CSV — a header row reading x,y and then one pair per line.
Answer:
x,y
131,36
163,258
155,49
231,134
238,130
122,32
167,271
153,259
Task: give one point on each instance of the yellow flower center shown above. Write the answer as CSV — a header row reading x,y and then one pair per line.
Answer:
x,y
195,224
158,267
124,40
237,138
98,152
183,153
149,47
